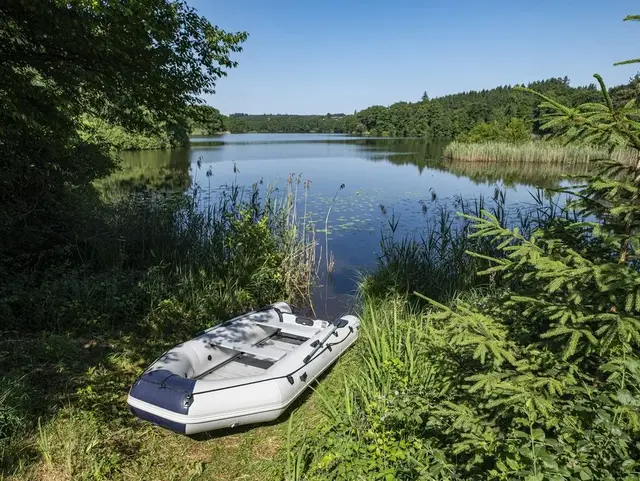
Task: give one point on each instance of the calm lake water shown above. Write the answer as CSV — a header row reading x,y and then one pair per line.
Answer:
x,y
384,179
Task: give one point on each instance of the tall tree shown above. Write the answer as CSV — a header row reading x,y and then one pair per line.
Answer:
x,y
133,64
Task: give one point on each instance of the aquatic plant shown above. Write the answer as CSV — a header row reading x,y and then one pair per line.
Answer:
x,y
434,261
534,151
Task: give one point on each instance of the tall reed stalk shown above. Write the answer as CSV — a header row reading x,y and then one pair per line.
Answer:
x,y
533,151
435,262
326,230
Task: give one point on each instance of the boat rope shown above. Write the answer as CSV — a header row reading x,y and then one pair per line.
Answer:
x,y
285,376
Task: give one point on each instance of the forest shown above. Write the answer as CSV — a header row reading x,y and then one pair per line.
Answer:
x,y
445,117
284,123
449,117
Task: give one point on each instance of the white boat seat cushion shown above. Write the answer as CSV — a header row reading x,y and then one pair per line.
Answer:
x,y
292,329
261,352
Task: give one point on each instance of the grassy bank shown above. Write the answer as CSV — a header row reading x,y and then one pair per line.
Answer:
x,y
146,272
81,428
534,151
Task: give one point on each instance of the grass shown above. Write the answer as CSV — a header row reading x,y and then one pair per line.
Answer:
x,y
387,366
145,272
82,430
533,151
435,262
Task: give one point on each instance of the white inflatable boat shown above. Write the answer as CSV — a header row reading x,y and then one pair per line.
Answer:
x,y
247,370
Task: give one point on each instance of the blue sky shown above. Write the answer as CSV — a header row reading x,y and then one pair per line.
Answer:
x,y
339,56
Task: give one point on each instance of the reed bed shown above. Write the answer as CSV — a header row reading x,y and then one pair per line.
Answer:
x,y
191,253
435,261
516,173
533,151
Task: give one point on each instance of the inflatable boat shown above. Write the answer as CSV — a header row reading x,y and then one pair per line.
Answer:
x,y
244,371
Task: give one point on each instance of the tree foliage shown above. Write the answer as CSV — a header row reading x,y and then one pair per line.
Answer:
x,y
444,117
135,65
515,131
293,124
205,120
114,57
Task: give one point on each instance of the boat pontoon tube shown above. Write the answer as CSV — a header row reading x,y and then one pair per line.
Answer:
x,y
247,370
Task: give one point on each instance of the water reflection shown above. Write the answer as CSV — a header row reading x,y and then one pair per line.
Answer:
x,y
150,170
511,174
386,180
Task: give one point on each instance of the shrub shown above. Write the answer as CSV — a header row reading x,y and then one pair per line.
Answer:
x,y
515,131
147,250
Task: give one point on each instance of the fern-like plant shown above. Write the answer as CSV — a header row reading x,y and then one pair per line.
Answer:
x,y
537,380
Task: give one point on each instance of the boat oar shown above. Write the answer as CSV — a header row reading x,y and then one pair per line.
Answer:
x,y
335,325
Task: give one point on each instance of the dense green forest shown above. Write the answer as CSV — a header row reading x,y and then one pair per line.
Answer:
x,y
443,117
490,112
283,123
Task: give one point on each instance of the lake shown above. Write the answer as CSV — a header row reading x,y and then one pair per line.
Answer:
x,y
385,180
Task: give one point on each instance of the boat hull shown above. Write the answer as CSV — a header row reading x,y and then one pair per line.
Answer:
x,y
168,398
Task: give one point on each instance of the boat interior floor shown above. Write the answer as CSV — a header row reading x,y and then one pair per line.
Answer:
x,y
244,364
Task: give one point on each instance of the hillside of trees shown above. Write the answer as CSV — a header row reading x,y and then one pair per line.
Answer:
x,y
465,116
284,123
445,117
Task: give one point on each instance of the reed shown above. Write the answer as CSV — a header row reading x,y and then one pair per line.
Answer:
x,y
533,151
434,262
147,257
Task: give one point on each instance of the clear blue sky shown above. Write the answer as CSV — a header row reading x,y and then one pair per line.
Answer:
x,y
324,56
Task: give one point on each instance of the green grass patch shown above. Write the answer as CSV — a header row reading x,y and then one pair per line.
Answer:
x,y
66,418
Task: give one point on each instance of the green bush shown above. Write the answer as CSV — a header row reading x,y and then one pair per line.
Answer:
x,y
99,131
514,131
164,261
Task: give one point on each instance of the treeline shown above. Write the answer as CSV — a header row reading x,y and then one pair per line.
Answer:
x,y
454,115
283,123
444,117
469,116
